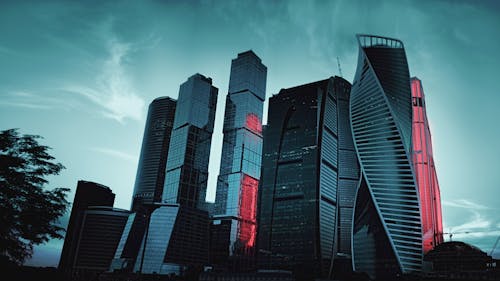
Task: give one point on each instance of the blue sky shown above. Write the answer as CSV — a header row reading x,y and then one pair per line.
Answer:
x,y
82,74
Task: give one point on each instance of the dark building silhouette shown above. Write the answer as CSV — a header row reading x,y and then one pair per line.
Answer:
x,y
425,171
234,224
309,179
458,260
101,229
150,175
87,194
387,230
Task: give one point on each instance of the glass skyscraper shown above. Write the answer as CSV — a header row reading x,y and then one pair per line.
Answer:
x,y
237,184
387,229
189,151
308,161
150,175
149,180
425,171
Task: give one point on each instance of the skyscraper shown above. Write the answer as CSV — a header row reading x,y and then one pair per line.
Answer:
x,y
237,184
189,151
176,230
150,175
307,161
149,180
87,194
425,171
387,230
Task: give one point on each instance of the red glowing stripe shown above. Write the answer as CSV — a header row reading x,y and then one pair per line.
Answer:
x,y
425,172
247,210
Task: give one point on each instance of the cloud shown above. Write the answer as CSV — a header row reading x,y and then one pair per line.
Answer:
x,y
476,222
32,100
465,204
115,153
113,91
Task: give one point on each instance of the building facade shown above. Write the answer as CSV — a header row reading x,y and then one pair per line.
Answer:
x,y
150,175
87,194
307,160
234,215
425,171
387,228
101,230
189,151
149,180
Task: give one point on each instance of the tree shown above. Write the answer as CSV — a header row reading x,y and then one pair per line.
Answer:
x,y
28,211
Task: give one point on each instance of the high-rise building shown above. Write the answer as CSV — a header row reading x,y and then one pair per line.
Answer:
x,y
387,230
149,182
101,229
150,175
234,215
189,151
171,236
308,161
425,171
87,194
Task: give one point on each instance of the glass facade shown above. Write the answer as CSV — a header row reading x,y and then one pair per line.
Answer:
x,y
176,240
381,119
425,171
100,233
154,152
237,184
87,194
189,151
299,202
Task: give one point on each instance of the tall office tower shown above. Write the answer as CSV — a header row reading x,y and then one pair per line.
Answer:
x,y
101,229
306,165
189,152
87,194
150,175
387,231
176,230
425,171
237,184
149,180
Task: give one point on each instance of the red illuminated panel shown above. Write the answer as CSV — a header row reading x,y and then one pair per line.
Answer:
x,y
253,123
425,172
247,210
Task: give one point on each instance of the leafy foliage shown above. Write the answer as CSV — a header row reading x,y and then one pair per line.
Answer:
x,y
28,211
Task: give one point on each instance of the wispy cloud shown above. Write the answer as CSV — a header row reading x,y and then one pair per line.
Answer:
x,y
113,91
474,223
465,204
115,153
21,104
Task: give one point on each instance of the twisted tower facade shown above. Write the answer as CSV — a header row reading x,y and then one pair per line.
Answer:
x,y
387,228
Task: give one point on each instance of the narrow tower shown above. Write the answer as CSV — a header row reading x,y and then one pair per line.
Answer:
x,y
150,175
425,171
387,229
237,184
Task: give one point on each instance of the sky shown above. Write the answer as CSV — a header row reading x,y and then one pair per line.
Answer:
x,y
82,73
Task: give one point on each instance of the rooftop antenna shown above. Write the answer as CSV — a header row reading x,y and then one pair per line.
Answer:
x,y
340,69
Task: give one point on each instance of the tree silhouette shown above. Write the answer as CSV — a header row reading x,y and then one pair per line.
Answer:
x,y
28,211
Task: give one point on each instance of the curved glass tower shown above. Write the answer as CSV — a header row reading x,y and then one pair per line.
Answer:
x,y
153,160
387,228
